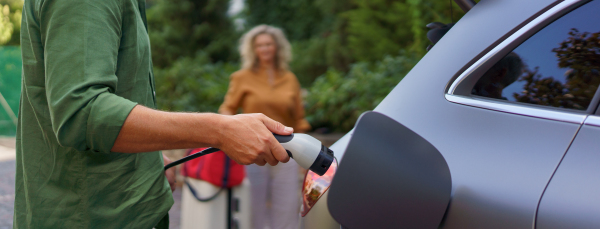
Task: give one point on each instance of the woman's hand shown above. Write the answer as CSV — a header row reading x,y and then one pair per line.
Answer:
x,y
248,139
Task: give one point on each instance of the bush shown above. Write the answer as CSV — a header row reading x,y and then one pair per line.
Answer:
x,y
336,99
181,28
309,60
379,28
299,19
193,84
10,21
315,29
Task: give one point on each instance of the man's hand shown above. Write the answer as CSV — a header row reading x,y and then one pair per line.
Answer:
x,y
170,173
248,139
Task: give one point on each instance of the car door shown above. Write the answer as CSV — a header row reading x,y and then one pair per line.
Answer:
x,y
572,198
560,66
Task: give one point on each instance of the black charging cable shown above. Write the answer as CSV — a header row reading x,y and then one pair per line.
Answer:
x,y
191,157
280,138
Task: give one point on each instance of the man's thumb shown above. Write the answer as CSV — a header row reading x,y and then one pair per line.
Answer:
x,y
277,127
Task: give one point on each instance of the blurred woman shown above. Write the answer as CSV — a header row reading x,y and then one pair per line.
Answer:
x,y
265,85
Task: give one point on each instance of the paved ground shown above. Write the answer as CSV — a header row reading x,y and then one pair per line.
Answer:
x,y
175,212
7,193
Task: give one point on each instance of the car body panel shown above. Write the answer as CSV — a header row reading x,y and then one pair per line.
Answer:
x,y
572,199
500,162
499,178
501,156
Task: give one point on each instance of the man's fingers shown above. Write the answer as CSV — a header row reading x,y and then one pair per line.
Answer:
x,y
260,162
279,152
170,174
276,127
268,156
272,162
252,125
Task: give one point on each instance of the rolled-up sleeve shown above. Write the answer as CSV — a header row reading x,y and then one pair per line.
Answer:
x,y
81,44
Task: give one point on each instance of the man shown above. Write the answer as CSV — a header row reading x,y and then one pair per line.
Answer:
x,y
85,118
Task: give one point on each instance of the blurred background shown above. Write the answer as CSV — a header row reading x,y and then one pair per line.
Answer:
x,y
347,54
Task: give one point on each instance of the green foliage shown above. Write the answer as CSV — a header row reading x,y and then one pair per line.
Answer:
x,y
337,99
10,85
328,37
181,28
299,19
313,57
6,26
383,27
194,47
315,29
193,84
190,41
308,69
10,21
336,33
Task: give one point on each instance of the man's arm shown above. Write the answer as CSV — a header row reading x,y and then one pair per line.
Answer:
x,y
81,44
245,138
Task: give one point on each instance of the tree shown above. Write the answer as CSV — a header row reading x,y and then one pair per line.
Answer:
x,y
377,28
314,28
299,19
10,21
182,28
580,54
337,99
193,84
336,33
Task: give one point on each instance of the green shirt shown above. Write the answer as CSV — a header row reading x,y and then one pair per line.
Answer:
x,y
86,64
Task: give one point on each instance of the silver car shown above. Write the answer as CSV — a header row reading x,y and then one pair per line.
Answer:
x,y
497,126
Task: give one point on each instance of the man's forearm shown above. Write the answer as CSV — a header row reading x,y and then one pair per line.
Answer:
x,y
246,138
148,130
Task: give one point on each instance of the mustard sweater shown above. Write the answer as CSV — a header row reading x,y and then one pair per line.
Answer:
x,y
280,100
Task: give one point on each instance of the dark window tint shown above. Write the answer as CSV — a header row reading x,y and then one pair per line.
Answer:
x,y
559,66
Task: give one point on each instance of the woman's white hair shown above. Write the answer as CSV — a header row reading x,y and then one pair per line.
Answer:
x,y
249,58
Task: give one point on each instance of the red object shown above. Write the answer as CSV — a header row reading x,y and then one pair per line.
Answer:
x,y
211,168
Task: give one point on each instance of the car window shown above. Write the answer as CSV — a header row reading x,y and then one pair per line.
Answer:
x,y
559,66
